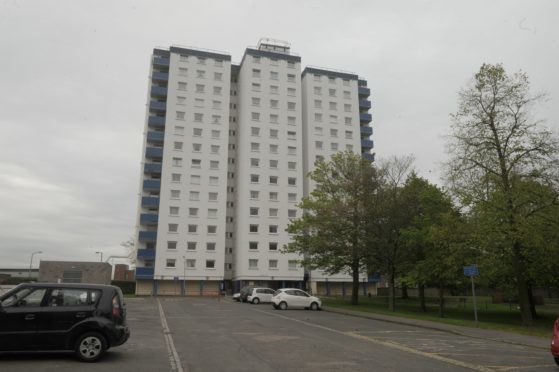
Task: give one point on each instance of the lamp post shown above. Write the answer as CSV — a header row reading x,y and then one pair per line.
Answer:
x,y
31,261
101,253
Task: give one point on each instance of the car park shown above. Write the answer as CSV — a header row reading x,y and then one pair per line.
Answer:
x,y
260,295
285,298
87,319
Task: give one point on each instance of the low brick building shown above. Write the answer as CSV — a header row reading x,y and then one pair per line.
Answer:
x,y
123,273
75,272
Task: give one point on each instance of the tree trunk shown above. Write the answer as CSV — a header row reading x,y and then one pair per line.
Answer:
x,y
421,288
405,291
441,300
522,287
391,292
355,284
532,302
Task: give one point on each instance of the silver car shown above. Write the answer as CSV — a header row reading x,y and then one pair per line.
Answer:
x,y
260,295
292,297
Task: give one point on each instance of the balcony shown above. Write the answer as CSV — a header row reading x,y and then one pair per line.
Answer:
x,y
154,152
147,236
144,272
157,106
365,143
156,121
368,156
159,91
155,137
364,104
160,61
160,76
146,253
365,118
362,83
364,91
150,168
152,185
148,218
150,201
366,130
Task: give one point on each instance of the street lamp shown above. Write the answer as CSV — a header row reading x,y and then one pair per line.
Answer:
x,y
31,261
101,253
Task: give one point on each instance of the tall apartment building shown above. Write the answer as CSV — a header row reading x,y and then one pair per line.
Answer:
x,y
226,151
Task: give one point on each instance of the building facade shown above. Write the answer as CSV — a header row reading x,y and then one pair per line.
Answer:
x,y
226,150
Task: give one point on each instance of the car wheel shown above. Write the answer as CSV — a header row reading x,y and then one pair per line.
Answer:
x,y
283,306
90,346
556,360
314,306
255,301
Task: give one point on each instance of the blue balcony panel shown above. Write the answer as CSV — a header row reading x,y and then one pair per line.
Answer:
x,y
155,136
368,156
154,152
364,104
150,201
144,272
159,91
147,236
148,218
161,61
160,76
364,91
366,130
362,83
157,106
150,185
152,168
365,118
367,143
156,121
146,253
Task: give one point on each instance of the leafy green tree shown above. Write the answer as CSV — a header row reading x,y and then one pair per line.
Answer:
x,y
334,231
495,145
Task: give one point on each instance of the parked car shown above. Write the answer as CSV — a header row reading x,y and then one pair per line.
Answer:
x,y
258,295
87,319
237,296
245,292
555,341
292,297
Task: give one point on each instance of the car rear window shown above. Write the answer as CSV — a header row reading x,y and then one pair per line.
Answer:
x,y
277,292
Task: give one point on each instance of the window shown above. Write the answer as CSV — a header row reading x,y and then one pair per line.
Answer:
x,y
253,263
291,120
254,194
179,130
348,134
273,75
318,145
194,179
192,212
292,213
214,164
347,94
317,91
200,74
255,73
292,181
273,196
347,121
192,229
255,87
194,195
274,118
217,91
254,162
292,264
273,61
291,92
253,228
273,164
332,92
196,147
273,180
274,133
349,147
253,211
216,119
181,85
218,76
196,163
273,149
255,116
215,134
256,59
200,88
212,213
255,131
190,264
292,197
180,115
333,133
346,82
316,77
171,245
210,246
317,103
170,263
210,264
214,149
173,227
183,58
174,211
197,132
333,106
290,64
216,105
201,60
254,178
273,212
191,246
334,119
291,78
214,180
273,246
198,117
176,162
272,264
175,177
291,106
318,131
212,196
291,165
273,229
175,194
332,80
274,103
347,107
254,146
291,135
274,89
334,146
177,145
318,117
218,63
291,150
255,101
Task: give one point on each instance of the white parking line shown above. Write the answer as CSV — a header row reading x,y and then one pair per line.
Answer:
x,y
174,358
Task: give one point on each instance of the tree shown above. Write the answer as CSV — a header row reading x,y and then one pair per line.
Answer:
x,y
130,250
495,145
333,232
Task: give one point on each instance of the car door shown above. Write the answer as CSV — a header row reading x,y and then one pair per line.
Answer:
x,y
291,298
19,317
267,295
303,299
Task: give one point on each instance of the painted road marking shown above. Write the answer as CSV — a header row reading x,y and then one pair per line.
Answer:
x,y
174,358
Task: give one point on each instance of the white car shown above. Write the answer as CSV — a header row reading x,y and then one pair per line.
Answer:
x,y
237,297
292,297
258,295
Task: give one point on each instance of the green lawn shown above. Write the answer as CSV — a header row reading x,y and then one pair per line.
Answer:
x,y
491,316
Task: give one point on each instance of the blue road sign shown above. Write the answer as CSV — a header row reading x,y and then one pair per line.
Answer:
x,y
471,270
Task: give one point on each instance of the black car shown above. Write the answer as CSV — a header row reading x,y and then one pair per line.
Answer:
x,y
245,291
85,318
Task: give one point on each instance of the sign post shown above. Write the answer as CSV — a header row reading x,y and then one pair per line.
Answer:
x,y
472,271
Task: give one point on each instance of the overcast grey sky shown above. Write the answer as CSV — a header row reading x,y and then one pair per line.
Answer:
x,y
74,77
